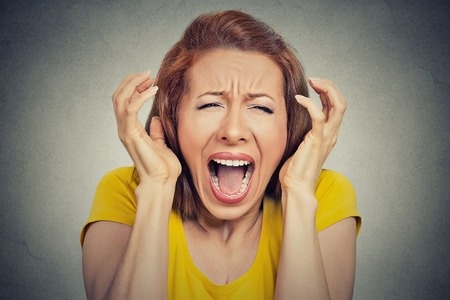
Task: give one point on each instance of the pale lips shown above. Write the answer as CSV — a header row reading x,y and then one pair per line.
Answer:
x,y
228,181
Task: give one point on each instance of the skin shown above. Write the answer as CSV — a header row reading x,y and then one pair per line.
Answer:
x,y
131,262
227,106
235,106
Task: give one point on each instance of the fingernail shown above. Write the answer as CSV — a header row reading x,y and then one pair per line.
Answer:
x,y
300,97
316,80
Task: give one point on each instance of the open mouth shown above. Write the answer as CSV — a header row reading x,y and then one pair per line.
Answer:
x,y
230,177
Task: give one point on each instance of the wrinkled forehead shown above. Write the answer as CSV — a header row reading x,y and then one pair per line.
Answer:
x,y
223,69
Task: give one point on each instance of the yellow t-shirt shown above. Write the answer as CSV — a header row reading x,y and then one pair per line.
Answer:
x,y
115,201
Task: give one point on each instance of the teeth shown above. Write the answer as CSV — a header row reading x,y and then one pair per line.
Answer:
x,y
245,180
232,163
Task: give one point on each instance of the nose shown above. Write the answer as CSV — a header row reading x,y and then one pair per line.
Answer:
x,y
234,127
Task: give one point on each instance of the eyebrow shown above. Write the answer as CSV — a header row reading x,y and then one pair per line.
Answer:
x,y
258,95
249,95
211,94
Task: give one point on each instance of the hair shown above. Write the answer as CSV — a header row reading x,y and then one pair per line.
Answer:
x,y
225,30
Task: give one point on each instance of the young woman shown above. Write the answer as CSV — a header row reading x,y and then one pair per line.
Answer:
x,y
227,198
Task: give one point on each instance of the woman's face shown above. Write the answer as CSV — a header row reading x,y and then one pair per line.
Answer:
x,y
232,128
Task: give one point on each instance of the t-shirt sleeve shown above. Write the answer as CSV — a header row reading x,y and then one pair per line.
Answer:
x,y
336,200
114,199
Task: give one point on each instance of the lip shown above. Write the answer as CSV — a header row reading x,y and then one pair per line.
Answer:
x,y
232,156
226,199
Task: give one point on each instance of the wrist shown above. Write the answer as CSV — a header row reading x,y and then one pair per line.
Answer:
x,y
154,197
303,194
300,204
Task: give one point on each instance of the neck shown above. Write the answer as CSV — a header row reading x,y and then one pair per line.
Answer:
x,y
225,230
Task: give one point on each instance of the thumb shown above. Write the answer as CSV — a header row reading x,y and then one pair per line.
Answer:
x,y
157,131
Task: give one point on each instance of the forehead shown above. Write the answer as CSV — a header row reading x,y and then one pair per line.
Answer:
x,y
222,67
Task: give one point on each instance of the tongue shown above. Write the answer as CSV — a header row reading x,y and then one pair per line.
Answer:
x,y
230,179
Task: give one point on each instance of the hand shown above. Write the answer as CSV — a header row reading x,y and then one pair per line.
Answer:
x,y
153,160
301,171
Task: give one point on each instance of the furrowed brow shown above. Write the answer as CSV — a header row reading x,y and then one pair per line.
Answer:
x,y
211,94
258,95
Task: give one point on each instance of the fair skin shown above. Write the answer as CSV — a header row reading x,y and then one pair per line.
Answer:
x,y
229,92
235,105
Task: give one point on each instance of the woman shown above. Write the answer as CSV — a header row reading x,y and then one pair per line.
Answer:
x,y
227,198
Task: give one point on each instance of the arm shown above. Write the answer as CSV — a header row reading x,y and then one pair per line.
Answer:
x,y
122,262
142,271
301,274
103,247
338,249
331,255
310,263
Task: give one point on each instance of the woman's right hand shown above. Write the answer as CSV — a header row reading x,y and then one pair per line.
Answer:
x,y
154,161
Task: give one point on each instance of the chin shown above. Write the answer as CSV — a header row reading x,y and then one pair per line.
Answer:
x,y
231,210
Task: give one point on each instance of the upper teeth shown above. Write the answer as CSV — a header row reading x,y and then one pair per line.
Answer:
x,y
232,163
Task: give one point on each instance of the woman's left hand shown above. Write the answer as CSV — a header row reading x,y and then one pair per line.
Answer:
x,y
301,171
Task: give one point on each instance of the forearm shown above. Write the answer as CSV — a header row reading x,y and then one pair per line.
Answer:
x,y
142,272
301,272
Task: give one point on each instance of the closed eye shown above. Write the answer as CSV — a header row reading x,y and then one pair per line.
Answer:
x,y
209,105
262,108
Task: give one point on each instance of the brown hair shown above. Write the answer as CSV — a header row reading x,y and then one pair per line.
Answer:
x,y
230,30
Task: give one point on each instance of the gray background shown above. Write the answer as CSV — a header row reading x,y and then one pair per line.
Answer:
x,y
61,61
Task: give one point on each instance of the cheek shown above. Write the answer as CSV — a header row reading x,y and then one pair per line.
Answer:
x,y
278,142
183,136
272,140
192,137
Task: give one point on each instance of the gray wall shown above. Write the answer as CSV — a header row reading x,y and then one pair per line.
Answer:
x,y
61,61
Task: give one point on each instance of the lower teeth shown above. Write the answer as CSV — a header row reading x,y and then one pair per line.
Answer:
x,y
244,184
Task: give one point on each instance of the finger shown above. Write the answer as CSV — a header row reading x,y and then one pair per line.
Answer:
x,y
133,108
127,87
327,89
137,101
326,103
143,92
121,84
317,116
128,78
333,102
145,85
157,131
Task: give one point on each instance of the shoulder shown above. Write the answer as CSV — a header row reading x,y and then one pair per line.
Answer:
x,y
117,187
333,184
120,180
114,198
336,199
329,178
124,175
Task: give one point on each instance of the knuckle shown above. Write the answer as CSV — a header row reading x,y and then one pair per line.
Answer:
x,y
331,83
341,106
129,76
118,96
129,110
326,80
341,109
320,118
